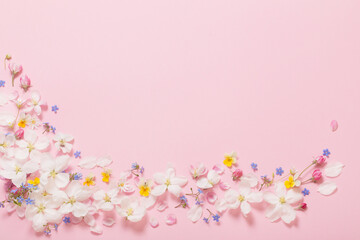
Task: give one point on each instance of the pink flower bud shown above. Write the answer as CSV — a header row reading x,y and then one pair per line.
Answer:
x,y
19,134
316,174
237,174
303,206
320,159
25,82
15,69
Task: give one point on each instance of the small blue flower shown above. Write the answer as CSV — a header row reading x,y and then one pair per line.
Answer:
x,y
198,202
53,129
78,176
206,220
54,108
305,192
23,186
56,226
142,169
30,201
2,83
66,220
77,154
2,205
216,217
326,152
14,191
183,198
20,199
47,231
200,191
134,166
254,166
279,171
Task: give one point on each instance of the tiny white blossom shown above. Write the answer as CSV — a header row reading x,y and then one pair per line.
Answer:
x,y
63,142
168,181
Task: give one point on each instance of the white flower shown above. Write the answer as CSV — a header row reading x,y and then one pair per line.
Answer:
x,y
6,97
208,182
106,200
168,181
7,120
197,171
16,170
30,143
73,198
35,103
52,169
130,209
42,212
89,218
62,142
34,122
6,144
280,203
241,198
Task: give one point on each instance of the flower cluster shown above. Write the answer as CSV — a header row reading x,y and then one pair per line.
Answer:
x,y
49,189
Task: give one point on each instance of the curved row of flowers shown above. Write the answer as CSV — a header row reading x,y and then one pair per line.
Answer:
x,y
41,187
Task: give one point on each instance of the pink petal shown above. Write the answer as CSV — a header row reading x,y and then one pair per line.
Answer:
x,y
171,219
162,206
224,186
211,197
154,222
334,125
108,222
97,229
219,168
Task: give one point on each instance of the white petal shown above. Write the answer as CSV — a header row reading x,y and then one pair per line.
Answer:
x,y
62,163
211,197
181,181
97,229
162,206
90,220
288,214
251,179
158,190
42,144
109,221
195,213
175,190
61,180
159,178
274,212
327,188
154,222
231,196
221,205
30,167
245,207
219,168
104,161
213,177
333,169
137,215
224,186
204,183
255,197
293,196
271,198
87,162
171,219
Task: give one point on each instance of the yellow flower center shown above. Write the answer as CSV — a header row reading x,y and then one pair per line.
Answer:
x,y
107,198
41,208
130,211
72,200
53,174
241,198
62,143
17,169
282,200
30,147
167,183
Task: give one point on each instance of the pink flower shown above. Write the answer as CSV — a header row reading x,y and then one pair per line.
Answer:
x,y
320,159
25,82
15,69
19,134
237,174
316,175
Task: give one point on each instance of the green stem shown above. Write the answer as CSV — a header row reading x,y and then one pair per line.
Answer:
x,y
306,168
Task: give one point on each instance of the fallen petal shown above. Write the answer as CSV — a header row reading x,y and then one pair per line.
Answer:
x,y
108,222
154,222
211,197
334,125
327,188
195,213
162,206
333,169
224,186
97,229
219,168
171,219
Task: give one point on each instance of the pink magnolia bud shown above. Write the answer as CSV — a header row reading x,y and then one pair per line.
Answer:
x,y
320,160
25,82
15,69
316,174
19,134
237,174
303,206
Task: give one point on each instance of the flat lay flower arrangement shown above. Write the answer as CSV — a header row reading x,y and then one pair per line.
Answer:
x,y
52,190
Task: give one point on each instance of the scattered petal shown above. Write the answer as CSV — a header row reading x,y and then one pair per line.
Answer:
x,y
97,229
154,222
162,206
219,168
327,188
334,125
108,221
224,186
171,219
333,169
211,197
195,213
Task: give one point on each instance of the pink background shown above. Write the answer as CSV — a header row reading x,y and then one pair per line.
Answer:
x,y
187,81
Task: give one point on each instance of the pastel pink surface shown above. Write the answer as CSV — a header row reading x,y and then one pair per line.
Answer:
x,y
184,82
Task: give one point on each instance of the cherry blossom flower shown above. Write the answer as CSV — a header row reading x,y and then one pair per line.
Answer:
x,y
30,143
209,181
16,170
106,200
7,142
168,181
52,169
42,212
131,209
281,203
35,103
198,171
73,198
63,142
